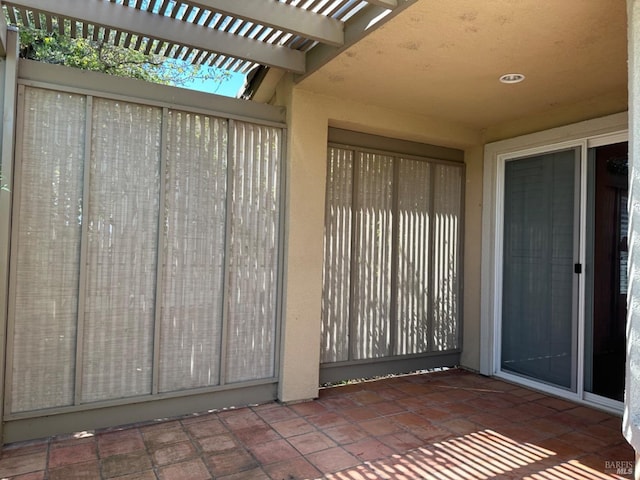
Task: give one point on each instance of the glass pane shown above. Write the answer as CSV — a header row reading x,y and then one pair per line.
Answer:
x,y
537,305
374,227
447,208
337,256
606,300
415,314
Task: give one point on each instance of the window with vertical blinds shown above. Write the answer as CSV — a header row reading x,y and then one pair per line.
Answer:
x,y
145,253
391,256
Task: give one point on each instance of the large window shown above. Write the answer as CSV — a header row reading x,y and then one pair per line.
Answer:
x,y
392,255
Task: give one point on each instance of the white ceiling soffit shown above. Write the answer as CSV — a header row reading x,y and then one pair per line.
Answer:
x,y
235,35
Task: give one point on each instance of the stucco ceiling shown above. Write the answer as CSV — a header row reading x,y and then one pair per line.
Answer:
x,y
442,58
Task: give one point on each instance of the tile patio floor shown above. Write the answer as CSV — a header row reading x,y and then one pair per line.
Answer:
x,y
451,425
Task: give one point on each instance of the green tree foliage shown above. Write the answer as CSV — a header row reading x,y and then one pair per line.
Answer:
x,y
102,56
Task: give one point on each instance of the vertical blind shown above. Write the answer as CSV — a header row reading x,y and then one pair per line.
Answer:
x,y
145,253
391,256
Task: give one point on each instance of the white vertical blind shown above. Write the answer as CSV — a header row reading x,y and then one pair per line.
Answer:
x,y
447,210
337,256
48,250
194,224
123,234
374,227
253,251
391,256
413,285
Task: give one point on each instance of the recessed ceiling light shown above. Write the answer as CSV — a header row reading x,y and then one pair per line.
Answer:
x,y
512,78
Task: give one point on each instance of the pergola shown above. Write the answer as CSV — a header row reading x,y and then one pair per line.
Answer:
x,y
296,36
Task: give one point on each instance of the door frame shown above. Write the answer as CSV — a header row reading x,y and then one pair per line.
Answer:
x,y
592,133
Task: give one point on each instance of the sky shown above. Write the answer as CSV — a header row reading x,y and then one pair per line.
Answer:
x,y
228,88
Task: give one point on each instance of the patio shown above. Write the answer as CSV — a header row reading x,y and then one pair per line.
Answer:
x,y
444,425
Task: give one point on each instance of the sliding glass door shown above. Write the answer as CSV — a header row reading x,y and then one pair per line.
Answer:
x,y
540,267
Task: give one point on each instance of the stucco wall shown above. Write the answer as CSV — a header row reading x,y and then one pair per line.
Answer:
x,y
470,357
309,116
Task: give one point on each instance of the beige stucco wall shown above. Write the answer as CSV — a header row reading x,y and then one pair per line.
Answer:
x,y
470,357
309,116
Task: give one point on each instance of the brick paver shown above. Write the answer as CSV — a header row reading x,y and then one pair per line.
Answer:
x,y
445,425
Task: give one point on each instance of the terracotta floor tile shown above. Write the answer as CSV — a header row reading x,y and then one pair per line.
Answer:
x,y
276,414
410,420
241,419
436,398
621,451
366,398
293,469
161,437
461,409
489,420
359,413
590,414
414,403
126,463
401,442
77,471
206,428
391,393
380,426
196,417
603,432
252,436
230,461
192,470
253,474
31,476
453,425
332,460
388,407
296,426
345,434
548,426
160,425
146,475
582,442
25,448
311,442
489,403
326,420
369,449
72,454
116,443
217,443
272,452
517,413
567,419
555,403
337,403
17,465
306,409
175,452
434,414
431,433
78,438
